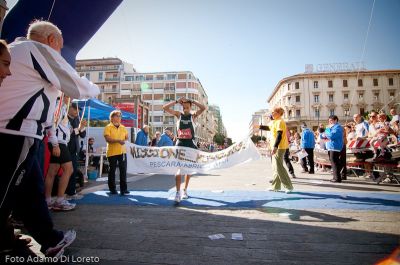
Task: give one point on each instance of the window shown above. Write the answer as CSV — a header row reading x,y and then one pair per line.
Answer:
x,y
288,87
346,96
169,97
170,86
114,86
149,77
297,113
159,77
316,113
346,112
344,83
139,78
289,99
331,112
376,96
330,83
360,96
360,82
316,98
171,76
290,113
391,95
88,76
390,81
297,85
375,81
297,98
100,76
157,119
315,84
330,97
362,111
128,78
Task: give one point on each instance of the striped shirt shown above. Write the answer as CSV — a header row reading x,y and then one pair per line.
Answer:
x,y
28,96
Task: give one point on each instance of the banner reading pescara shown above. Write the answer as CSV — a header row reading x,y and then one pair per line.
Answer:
x,y
171,159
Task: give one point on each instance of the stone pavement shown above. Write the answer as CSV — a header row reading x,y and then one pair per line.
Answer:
x,y
130,233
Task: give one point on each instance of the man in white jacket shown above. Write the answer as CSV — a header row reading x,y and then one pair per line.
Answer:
x,y
27,106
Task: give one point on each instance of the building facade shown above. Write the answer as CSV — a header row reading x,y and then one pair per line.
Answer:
x,y
258,118
313,97
119,82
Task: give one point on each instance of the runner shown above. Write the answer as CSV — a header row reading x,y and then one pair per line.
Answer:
x,y
185,130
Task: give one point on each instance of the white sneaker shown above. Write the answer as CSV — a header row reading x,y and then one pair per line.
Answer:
x,y
58,250
288,191
50,204
178,197
76,196
64,205
184,195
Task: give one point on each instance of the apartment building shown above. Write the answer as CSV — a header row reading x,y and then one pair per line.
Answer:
x,y
119,82
313,97
107,73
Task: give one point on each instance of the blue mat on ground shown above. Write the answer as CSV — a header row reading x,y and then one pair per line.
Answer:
x,y
254,199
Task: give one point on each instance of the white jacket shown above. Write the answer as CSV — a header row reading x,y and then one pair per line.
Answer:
x,y
28,96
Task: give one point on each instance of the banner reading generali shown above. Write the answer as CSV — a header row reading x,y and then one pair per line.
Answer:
x,y
170,159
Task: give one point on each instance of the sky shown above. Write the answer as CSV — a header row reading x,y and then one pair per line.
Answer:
x,y
241,49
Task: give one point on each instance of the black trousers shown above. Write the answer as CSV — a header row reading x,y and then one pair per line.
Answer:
x,y
334,157
122,164
287,162
343,172
22,189
309,158
71,188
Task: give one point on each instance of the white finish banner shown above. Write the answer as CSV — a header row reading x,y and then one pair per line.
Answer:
x,y
182,160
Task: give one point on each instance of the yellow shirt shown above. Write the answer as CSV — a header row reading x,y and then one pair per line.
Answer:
x,y
119,133
279,125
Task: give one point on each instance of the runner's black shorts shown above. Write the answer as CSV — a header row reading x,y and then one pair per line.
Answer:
x,y
65,155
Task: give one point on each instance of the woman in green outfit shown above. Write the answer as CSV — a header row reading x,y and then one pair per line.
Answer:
x,y
279,144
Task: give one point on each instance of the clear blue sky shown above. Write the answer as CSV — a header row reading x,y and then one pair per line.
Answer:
x,y
240,49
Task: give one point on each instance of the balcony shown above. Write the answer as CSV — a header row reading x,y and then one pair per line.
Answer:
x,y
109,90
112,79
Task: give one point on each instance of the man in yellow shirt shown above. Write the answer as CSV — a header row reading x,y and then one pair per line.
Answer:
x,y
116,134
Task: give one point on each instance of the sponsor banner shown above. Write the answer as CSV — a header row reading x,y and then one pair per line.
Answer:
x,y
182,160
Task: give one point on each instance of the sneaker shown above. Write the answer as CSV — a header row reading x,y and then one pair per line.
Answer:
x,y
184,195
58,250
76,196
177,197
64,205
50,204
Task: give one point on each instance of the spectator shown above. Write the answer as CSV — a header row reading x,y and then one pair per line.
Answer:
x,y
60,158
155,140
307,144
379,140
38,74
116,134
335,144
5,61
78,130
93,160
361,127
165,139
142,136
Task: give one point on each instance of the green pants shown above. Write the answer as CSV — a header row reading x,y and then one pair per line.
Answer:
x,y
280,174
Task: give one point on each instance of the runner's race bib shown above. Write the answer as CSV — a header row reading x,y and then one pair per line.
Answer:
x,y
185,134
